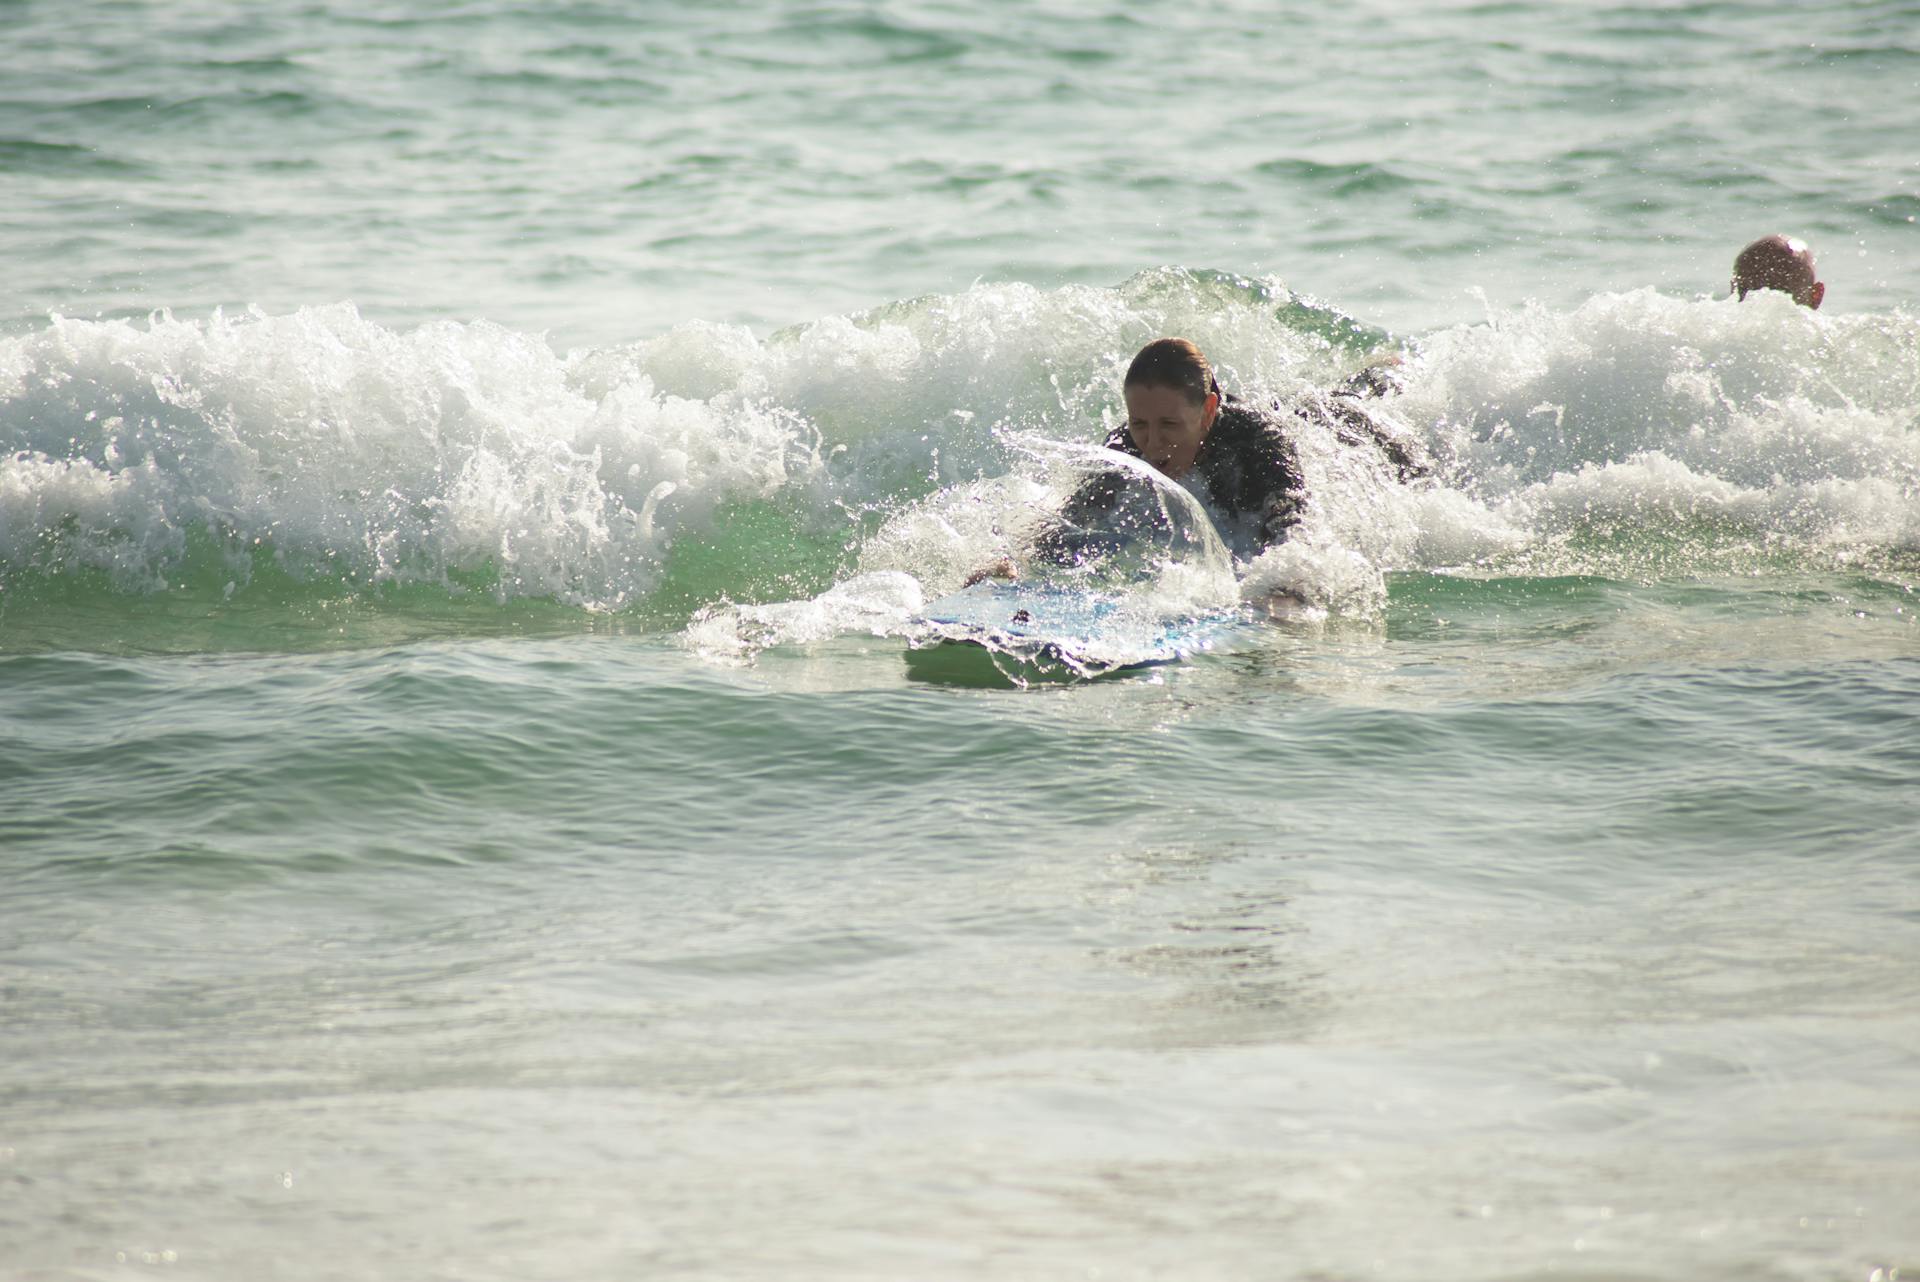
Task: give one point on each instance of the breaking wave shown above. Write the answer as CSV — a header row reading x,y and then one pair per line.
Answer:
x,y
1637,435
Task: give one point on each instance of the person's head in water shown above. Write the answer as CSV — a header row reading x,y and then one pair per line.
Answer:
x,y
1778,262
1172,401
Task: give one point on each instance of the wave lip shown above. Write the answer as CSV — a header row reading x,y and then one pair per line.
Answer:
x,y
1638,435
1708,425
352,452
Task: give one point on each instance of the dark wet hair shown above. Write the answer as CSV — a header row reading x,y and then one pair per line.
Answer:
x,y
1174,363
1776,262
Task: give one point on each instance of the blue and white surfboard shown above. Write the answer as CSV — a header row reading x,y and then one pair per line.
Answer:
x,y
1128,573
999,632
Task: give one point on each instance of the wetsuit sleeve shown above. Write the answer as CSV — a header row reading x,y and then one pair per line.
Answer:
x,y
1382,378
1254,470
1284,499
1063,538
1356,424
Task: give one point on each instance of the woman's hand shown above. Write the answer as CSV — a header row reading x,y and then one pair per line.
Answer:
x,y
1001,569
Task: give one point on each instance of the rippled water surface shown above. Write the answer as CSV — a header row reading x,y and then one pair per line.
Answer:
x,y
607,171
469,477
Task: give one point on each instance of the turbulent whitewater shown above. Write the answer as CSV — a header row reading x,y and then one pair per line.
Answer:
x,y
469,478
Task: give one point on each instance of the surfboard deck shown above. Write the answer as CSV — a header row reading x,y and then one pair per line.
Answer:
x,y
1002,633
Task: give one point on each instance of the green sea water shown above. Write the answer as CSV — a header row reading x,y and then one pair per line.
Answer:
x,y
467,481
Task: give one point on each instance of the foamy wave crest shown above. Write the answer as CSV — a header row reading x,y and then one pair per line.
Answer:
x,y
1636,436
470,455
917,394
342,448
1728,433
1714,433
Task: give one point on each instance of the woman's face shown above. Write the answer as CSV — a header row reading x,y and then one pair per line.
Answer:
x,y
1166,427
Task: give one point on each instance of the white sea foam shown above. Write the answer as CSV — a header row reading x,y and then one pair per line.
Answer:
x,y
1692,420
348,449
881,603
1170,563
462,453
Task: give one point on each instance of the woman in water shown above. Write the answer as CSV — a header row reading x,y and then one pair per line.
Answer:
x,y
1236,458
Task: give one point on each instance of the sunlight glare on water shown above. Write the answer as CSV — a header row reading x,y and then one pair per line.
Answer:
x,y
469,477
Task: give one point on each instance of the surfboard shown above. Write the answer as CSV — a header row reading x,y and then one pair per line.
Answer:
x,y
1008,633
1124,571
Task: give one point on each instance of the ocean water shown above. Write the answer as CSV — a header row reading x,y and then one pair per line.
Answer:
x,y
468,476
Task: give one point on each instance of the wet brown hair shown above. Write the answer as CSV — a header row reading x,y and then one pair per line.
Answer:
x,y
1777,262
1174,363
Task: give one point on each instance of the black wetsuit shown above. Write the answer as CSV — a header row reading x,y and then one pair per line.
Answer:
x,y
1354,425
1246,468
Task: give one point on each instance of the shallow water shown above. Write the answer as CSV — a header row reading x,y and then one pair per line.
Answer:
x,y
464,810
577,956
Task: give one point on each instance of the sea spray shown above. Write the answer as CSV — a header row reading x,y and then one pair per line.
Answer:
x,y
1638,435
362,456
1644,435
471,456
1154,558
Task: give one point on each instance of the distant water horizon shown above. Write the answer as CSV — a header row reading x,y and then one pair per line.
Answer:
x,y
603,175
469,480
